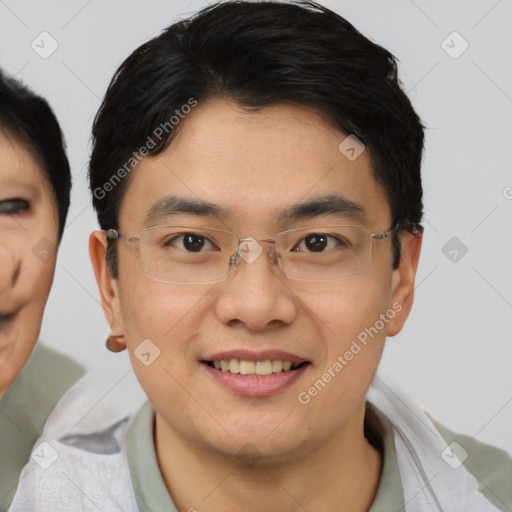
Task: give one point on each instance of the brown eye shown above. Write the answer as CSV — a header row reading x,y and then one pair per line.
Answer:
x,y
316,243
190,242
13,206
193,243
319,243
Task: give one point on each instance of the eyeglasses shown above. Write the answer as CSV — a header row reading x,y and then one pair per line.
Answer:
x,y
201,255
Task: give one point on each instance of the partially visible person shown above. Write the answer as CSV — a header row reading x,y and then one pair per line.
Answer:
x,y
35,184
256,175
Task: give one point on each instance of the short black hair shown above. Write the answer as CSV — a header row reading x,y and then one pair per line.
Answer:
x,y
28,118
259,54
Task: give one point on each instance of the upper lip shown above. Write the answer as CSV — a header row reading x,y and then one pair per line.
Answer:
x,y
248,355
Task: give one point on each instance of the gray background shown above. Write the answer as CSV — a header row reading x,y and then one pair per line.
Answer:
x,y
455,353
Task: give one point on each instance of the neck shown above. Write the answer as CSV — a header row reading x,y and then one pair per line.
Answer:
x,y
340,475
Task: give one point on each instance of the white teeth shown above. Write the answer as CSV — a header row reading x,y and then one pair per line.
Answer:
x,y
277,366
252,368
264,367
247,367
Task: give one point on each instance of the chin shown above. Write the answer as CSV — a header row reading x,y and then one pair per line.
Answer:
x,y
247,441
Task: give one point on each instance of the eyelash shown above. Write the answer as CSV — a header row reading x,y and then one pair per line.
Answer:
x,y
13,206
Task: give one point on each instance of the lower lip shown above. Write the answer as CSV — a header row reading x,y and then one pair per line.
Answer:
x,y
256,386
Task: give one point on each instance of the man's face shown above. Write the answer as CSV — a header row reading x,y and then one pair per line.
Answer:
x,y
254,166
28,238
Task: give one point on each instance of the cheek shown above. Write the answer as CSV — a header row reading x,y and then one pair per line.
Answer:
x,y
39,260
352,318
154,310
160,323
342,310
31,316
161,320
165,313
35,282
28,297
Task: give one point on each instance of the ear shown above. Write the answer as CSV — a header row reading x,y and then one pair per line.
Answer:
x,y
107,283
402,280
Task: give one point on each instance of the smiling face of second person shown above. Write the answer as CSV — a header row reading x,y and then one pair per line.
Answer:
x,y
254,165
28,216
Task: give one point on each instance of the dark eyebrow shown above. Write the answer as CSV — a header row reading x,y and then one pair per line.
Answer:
x,y
327,205
170,205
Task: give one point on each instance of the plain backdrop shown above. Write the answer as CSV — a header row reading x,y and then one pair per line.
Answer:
x,y
455,354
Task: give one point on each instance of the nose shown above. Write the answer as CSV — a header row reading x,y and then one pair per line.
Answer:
x,y
255,292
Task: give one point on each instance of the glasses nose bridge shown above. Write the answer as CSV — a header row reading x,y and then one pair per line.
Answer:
x,y
249,249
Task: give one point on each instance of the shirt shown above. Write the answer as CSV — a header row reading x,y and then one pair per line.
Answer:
x,y
24,409
491,466
111,465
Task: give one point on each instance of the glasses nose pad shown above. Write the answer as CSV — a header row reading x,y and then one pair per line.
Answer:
x,y
274,257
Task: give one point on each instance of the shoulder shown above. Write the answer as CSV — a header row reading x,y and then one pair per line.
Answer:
x,y
45,378
85,471
47,375
59,369
491,466
25,408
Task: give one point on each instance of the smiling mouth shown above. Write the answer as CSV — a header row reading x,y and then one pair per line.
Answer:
x,y
245,368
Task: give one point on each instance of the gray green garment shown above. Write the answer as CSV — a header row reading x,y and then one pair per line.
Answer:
x,y
24,409
491,466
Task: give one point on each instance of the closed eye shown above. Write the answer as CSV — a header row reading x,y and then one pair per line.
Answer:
x,y
13,206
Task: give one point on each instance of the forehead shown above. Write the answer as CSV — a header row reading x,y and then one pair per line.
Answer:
x,y
255,165
17,164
